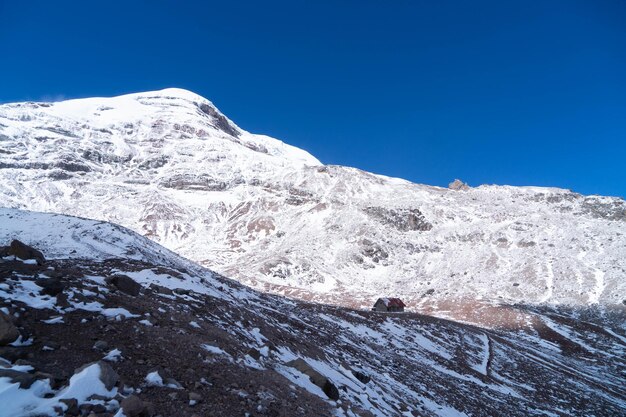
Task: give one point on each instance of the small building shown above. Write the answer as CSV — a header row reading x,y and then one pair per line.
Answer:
x,y
389,305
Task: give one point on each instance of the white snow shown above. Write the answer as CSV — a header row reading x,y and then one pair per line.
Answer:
x,y
28,293
118,311
54,320
482,367
17,402
153,379
113,356
214,349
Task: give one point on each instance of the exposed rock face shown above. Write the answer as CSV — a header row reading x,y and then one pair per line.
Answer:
x,y
373,251
194,182
220,121
458,185
125,284
24,251
403,220
8,331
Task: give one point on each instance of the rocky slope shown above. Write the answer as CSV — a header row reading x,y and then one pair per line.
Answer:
x,y
105,318
170,166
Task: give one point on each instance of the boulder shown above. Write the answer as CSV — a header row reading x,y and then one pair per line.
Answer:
x,y
101,345
108,376
72,406
12,353
318,379
125,284
195,397
50,286
133,406
23,378
161,290
254,354
24,252
56,382
8,331
361,376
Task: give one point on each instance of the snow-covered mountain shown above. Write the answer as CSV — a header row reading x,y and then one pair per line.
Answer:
x,y
170,166
111,314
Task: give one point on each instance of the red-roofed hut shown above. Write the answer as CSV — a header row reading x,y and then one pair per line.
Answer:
x,y
389,305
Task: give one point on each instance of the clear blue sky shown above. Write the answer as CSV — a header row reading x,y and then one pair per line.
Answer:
x,y
506,92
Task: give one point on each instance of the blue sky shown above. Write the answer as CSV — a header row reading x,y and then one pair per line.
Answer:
x,y
505,92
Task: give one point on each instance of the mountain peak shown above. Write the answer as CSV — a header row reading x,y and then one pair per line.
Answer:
x,y
169,165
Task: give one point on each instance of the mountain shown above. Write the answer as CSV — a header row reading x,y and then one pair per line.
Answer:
x,y
170,166
94,317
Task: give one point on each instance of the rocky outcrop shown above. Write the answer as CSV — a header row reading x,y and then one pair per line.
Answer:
x,y
25,252
50,286
8,331
458,185
125,284
401,219
17,377
194,182
361,376
108,376
373,251
221,122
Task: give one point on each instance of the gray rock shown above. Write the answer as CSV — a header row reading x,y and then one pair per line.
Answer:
x,y
24,252
172,383
101,345
133,406
194,396
108,376
254,354
402,219
125,284
50,286
12,354
8,331
23,378
56,382
72,406
361,376
160,289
